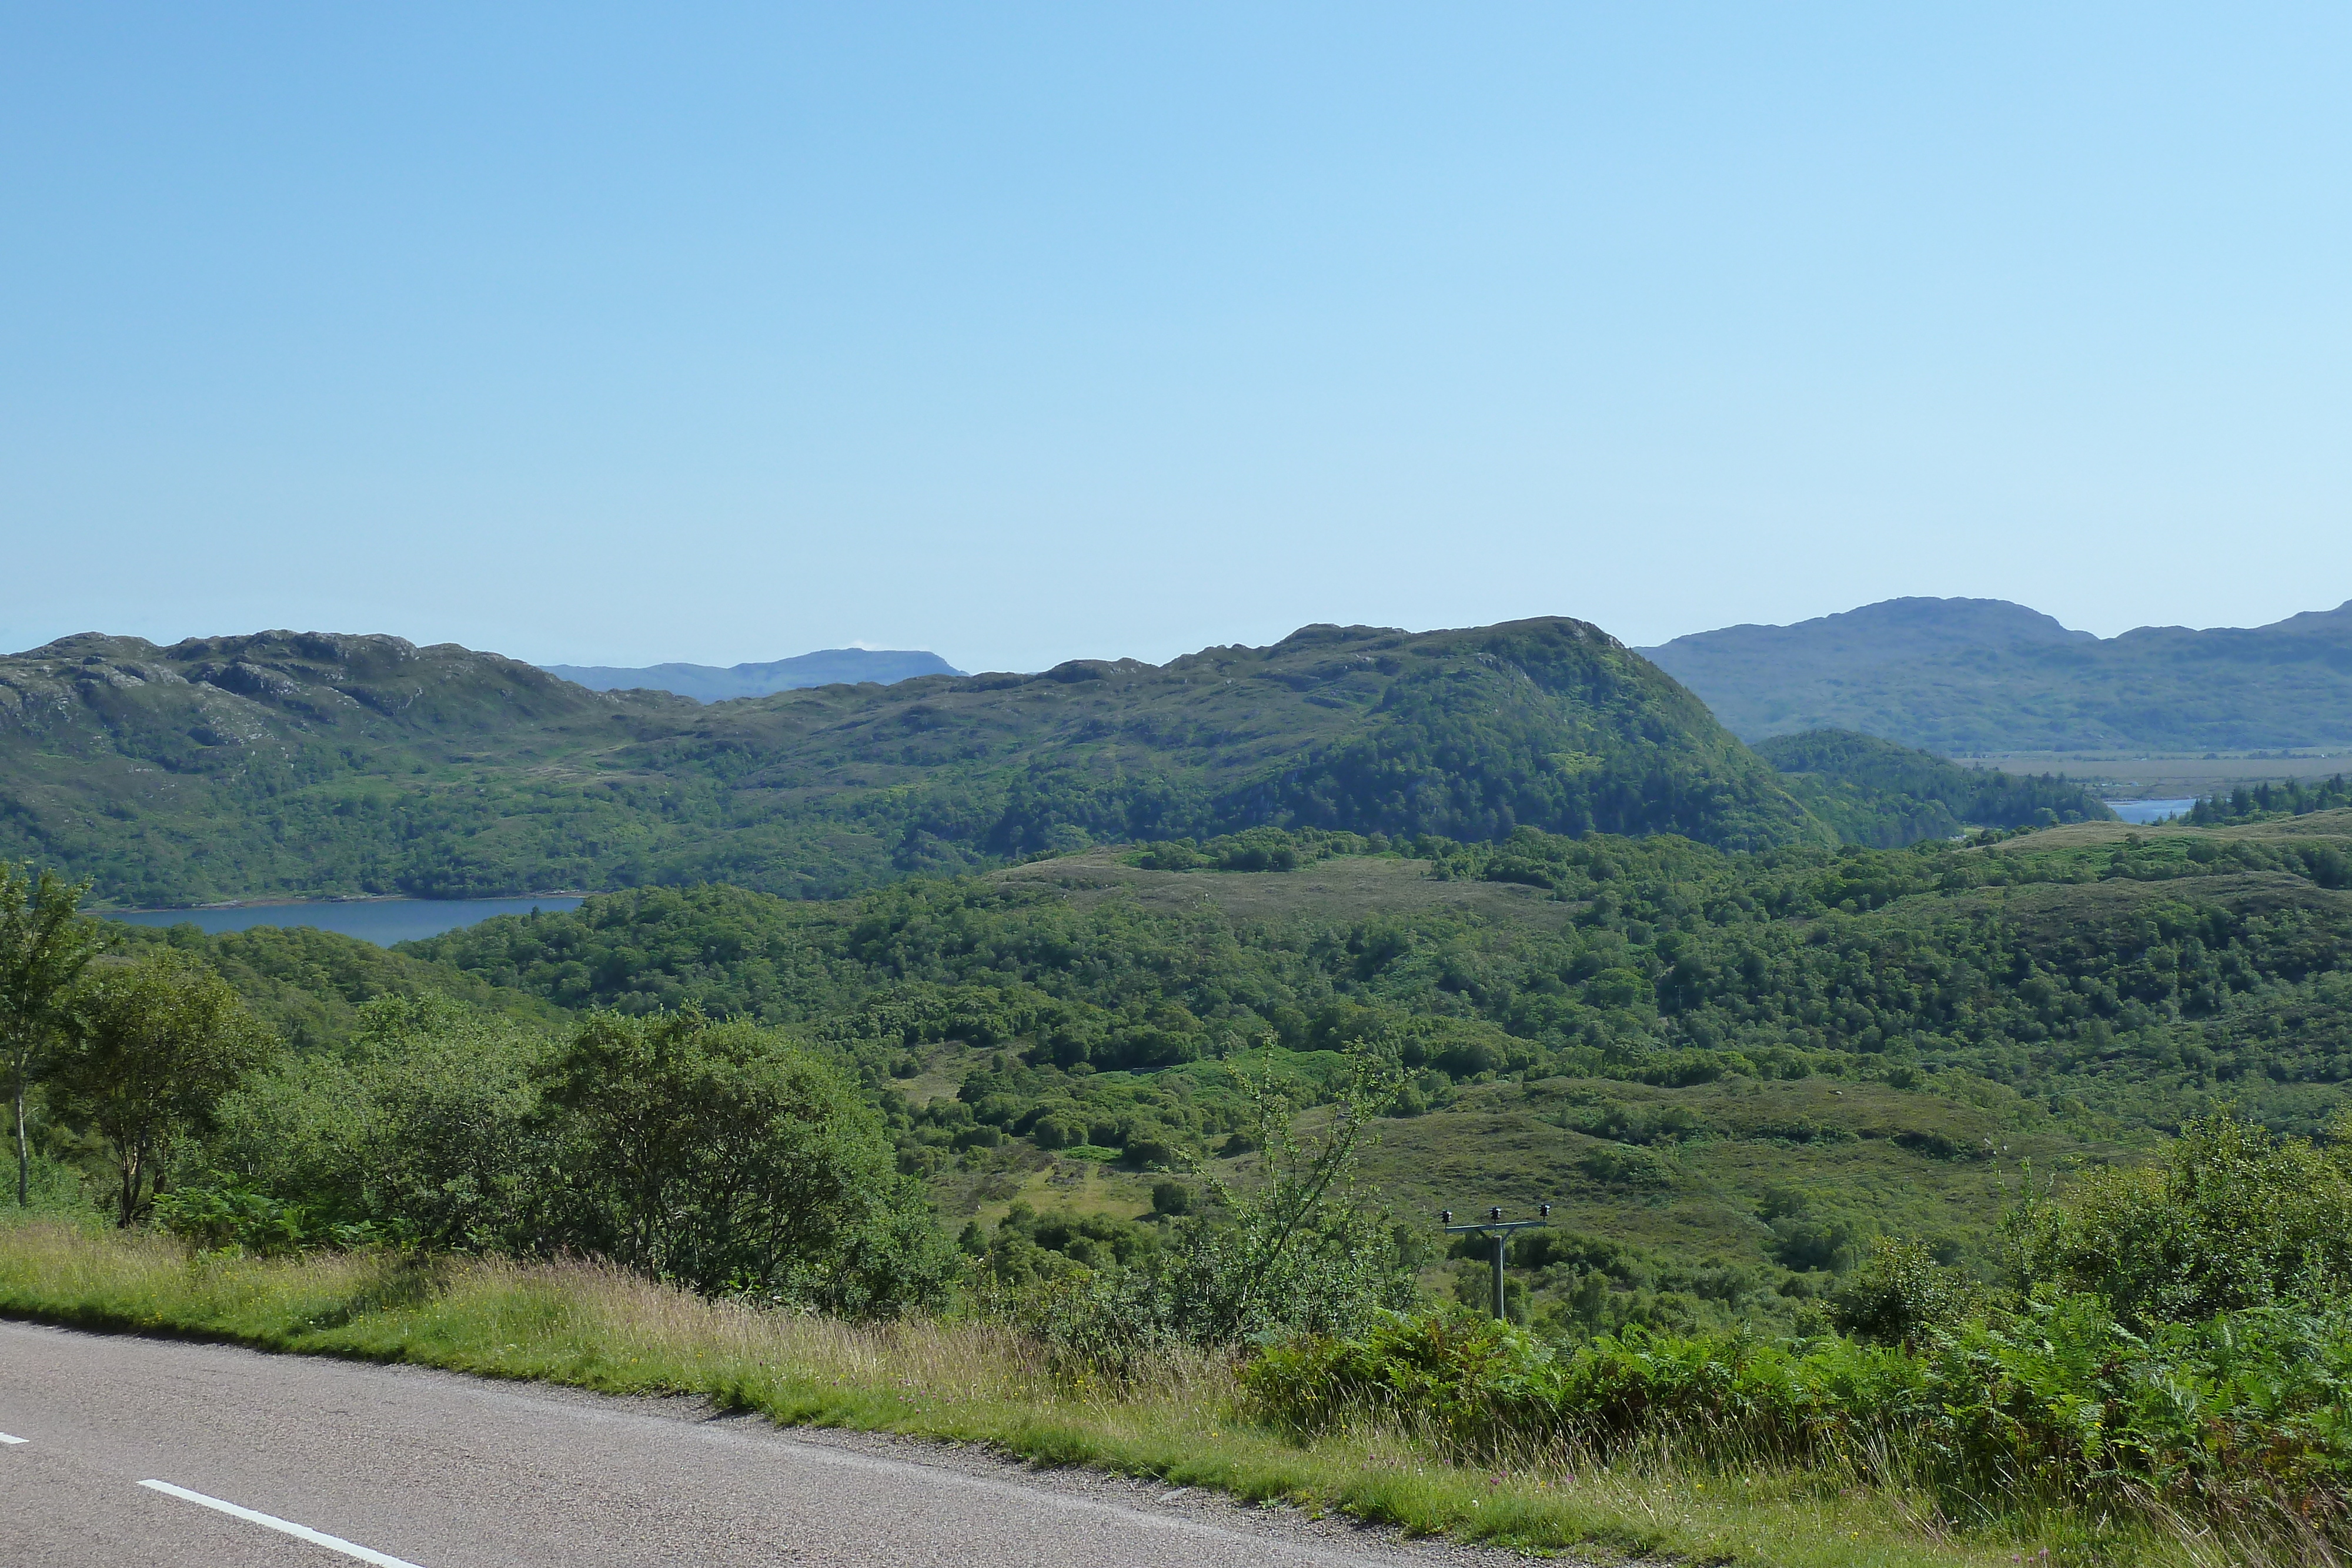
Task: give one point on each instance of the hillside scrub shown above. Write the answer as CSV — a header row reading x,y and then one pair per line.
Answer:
x,y
1662,1031
2119,983
721,1157
2174,1342
2072,993
2163,1349
1301,1249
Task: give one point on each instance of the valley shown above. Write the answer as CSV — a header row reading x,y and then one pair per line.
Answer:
x,y
1729,1070
1042,995
1120,785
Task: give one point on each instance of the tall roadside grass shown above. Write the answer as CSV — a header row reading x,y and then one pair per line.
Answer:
x,y
1185,1421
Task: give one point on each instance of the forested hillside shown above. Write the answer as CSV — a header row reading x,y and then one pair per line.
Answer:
x,y
292,763
1980,674
1756,1058
1877,793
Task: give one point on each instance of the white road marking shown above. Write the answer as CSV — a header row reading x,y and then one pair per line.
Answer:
x,y
300,1531
5,1438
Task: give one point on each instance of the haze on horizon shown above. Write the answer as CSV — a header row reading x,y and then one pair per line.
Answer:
x,y
1044,334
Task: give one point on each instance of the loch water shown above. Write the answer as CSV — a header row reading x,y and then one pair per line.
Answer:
x,y
2146,812
383,921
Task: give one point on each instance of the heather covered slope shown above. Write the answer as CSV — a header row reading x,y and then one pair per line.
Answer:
x,y
300,763
1979,674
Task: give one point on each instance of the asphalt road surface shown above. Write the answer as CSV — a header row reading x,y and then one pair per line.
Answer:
x,y
129,1452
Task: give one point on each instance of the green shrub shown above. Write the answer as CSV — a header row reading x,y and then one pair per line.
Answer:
x,y
219,1216
2243,1417
723,1156
427,1127
1900,1293
719,1155
1253,849
2228,1216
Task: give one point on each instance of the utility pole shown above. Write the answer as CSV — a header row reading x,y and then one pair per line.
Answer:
x,y
1501,1229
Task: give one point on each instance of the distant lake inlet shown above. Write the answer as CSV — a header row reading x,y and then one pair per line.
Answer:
x,y
2147,811
383,921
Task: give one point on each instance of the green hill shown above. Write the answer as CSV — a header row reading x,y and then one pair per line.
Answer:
x,y
285,762
1875,793
298,763
1981,674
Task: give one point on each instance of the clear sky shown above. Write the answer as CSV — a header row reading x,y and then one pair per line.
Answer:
x,y
610,335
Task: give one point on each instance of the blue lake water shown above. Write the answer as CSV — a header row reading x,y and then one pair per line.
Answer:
x,y
382,921
2146,811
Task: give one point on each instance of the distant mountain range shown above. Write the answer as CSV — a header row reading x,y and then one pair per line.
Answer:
x,y
1961,675
710,683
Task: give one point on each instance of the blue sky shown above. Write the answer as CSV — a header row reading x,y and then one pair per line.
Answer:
x,y
612,335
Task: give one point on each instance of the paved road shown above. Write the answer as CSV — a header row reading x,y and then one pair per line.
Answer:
x,y
401,1466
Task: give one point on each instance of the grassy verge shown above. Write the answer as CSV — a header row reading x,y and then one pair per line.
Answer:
x,y
978,1383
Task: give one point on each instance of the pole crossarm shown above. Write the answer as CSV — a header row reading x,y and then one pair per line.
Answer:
x,y
1500,1230
1501,1225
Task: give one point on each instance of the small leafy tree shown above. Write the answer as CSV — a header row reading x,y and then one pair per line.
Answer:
x,y
1307,1248
157,1044
45,945
1301,1248
723,1156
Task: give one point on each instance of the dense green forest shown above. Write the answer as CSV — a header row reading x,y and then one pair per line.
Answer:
x,y
1877,793
2258,802
1968,675
292,763
1742,1061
